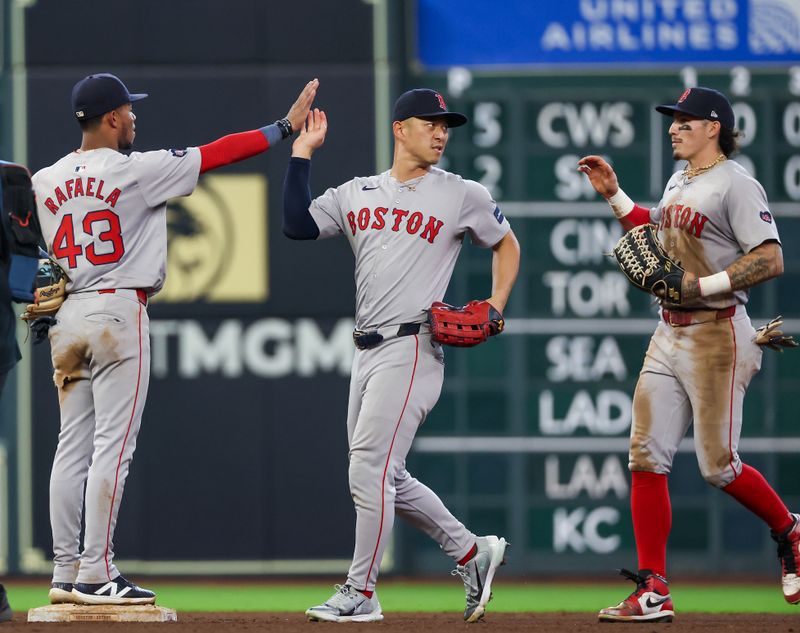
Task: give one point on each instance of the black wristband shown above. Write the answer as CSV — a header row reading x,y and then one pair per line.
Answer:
x,y
285,126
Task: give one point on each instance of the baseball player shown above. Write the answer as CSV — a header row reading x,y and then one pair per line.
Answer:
x,y
19,245
6,613
714,218
9,350
103,216
20,237
405,227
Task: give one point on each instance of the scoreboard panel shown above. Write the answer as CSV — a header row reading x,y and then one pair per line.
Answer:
x,y
530,437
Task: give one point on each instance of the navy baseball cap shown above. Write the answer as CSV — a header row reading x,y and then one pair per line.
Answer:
x,y
703,103
97,94
422,103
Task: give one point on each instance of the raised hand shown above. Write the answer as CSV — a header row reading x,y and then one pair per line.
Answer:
x,y
600,174
300,108
312,134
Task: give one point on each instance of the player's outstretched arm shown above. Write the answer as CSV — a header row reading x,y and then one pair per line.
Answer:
x,y
505,266
604,180
237,147
298,223
761,264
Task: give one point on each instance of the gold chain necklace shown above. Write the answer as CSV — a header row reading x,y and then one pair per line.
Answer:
x,y
691,172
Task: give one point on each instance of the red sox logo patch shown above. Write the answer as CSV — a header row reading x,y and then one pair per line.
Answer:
x,y
684,95
766,216
442,104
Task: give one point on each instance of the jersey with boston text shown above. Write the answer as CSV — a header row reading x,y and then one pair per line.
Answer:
x,y
709,221
406,237
103,214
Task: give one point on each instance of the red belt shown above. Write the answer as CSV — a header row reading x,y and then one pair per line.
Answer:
x,y
140,294
690,317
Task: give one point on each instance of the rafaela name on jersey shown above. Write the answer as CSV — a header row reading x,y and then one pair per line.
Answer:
x,y
78,187
377,220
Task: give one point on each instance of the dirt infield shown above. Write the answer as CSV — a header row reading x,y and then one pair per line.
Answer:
x,y
420,622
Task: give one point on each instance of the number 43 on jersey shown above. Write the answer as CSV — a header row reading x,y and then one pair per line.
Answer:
x,y
102,226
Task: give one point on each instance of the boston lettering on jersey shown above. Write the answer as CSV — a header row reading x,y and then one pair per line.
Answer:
x,y
380,218
78,187
682,217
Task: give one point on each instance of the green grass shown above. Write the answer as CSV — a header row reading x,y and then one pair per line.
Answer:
x,y
403,596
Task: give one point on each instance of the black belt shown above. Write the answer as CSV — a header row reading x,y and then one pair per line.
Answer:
x,y
373,338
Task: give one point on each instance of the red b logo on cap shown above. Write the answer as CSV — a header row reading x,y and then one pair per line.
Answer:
x,y
684,95
442,104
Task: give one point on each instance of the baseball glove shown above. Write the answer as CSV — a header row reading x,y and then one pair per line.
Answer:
x,y
49,293
646,264
467,326
770,336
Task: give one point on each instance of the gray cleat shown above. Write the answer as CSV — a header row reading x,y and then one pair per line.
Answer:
x,y
347,605
61,593
478,574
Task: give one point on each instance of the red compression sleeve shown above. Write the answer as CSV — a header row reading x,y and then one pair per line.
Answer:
x,y
639,215
231,149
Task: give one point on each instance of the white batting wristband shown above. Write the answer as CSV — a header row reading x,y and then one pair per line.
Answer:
x,y
621,204
717,284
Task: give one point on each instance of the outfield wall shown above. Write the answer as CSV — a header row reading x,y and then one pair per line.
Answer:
x,y
241,464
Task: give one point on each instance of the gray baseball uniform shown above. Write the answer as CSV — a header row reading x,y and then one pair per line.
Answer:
x,y
103,217
406,237
701,373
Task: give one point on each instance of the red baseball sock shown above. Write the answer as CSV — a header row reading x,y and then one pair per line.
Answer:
x,y
366,593
754,493
652,519
470,555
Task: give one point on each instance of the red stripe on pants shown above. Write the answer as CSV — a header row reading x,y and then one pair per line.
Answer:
x,y
124,441
389,456
733,387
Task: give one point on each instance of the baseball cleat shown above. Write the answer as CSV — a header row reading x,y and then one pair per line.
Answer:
x,y
61,593
347,605
478,574
649,602
5,609
117,591
789,555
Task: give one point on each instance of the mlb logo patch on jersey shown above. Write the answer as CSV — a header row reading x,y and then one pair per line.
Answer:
x,y
498,214
80,168
766,216
178,153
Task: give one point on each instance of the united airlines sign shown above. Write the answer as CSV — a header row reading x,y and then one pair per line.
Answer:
x,y
608,32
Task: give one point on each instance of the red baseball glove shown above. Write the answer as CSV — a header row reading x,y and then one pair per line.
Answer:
x,y
467,326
